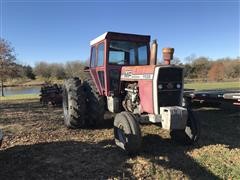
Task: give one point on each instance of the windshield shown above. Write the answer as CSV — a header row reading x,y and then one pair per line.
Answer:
x,y
127,53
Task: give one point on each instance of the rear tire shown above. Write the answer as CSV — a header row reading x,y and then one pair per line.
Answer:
x,y
191,133
127,132
95,103
74,105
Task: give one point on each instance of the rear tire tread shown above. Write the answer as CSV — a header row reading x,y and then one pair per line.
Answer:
x,y
95,102
73,91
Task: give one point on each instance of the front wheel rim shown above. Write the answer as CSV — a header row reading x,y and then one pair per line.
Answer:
x,y
121,134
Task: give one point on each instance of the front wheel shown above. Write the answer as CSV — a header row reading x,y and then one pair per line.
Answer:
x,y
127,132
191,133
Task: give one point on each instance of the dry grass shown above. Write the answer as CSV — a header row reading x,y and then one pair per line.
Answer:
x,y
38,146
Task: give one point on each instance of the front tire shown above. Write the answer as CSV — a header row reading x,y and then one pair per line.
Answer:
x,y
127,132
74,105
191,133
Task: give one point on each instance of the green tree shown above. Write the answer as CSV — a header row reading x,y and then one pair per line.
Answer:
x,y
188,70
28,72
232,68
201,67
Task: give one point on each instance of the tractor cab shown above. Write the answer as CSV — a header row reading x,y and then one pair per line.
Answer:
x,y
111,51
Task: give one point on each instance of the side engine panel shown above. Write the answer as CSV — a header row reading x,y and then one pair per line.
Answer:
x,y
142,78
139,97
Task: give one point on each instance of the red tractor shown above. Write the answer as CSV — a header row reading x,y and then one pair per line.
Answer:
x,y
123,78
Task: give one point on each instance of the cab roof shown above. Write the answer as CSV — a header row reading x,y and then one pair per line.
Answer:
x,y
121,36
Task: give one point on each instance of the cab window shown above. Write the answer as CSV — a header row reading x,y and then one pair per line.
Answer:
x,y
142,55
128,53
100,54
93,57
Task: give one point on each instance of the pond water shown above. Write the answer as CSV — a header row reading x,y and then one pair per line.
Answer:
x,y
21,90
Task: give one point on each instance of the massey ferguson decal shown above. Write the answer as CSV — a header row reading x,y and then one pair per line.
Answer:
x,y
129,75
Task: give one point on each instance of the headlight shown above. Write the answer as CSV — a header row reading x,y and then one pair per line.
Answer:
x,y
160,86
178,86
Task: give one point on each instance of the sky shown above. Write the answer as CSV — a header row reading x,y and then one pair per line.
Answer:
x,y
61,30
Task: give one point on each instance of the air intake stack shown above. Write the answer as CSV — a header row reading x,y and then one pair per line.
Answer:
x,y
167,55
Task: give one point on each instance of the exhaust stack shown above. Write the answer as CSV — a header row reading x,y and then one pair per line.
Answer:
x,y
167,55
153,56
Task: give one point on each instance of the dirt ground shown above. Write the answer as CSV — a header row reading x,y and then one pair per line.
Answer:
x,y
37,146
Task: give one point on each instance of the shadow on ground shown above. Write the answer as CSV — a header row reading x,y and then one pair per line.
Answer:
x,y
165,153
219,126
61,160
81,160
101,159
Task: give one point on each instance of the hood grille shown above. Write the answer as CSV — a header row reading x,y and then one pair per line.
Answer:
x,y
170,79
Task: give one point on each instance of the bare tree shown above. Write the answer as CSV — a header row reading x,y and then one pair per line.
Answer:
x,y
189,59
7,62
216,72
42,69
75,69
57,70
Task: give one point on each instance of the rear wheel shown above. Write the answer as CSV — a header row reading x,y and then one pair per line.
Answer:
x,y
74,105
95,102
127,132
191,133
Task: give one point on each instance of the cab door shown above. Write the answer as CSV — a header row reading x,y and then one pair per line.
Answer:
x,y
97,66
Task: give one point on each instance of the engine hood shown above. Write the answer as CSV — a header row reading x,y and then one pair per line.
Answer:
x,y
134,73
137,72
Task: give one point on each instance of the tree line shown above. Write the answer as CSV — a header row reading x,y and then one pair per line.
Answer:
x,y
10,68
204,69
59,71
201,68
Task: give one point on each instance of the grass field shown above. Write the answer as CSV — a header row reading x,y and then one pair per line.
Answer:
x,y
38,146
213,85
19,97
